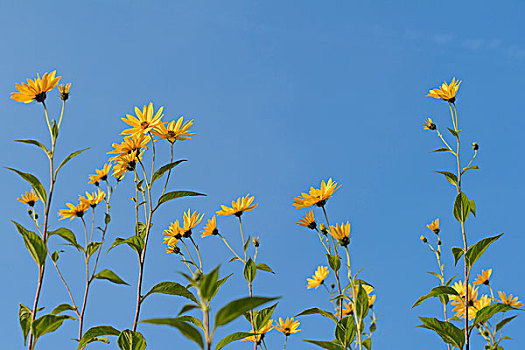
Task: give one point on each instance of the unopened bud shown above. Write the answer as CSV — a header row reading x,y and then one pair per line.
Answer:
x,y
423,239
475,146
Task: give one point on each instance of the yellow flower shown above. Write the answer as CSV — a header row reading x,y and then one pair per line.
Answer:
x,y
190,221
434,226
446,91
318,278
100,175
341,233
174,130
483,278
173,249
348,308
460,288
173,233
29,198
429,125
308,221
479,304
73,211
144,122
260,333
210,228
316,196
125,163
35,90
509,300
64,91
132,143
238,207
288,327
92,199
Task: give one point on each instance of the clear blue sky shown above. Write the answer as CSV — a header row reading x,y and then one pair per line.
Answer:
x,y
284,94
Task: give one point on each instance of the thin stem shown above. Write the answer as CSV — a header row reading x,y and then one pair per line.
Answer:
x,y
88,282
233,251
322,240
92,225
198,253
206,323
285,341
335,272
453,117
61,113
445,142
242,238
189,253
354,301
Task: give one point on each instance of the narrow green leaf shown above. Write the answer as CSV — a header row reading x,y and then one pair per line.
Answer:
x,y
107,218
436,292
325,344
246,244
67,235
92,248
452,178
461,207
250,270
61,308
177,194
162,170
458,253
95,332
129,340
362,305
472,207
34,244
441,150
35,183
110,276
219,284
68,158
35,143
447,331
264,267
24,315
172,288
503,322
231,338
317,311
473,167
475,251
208,284
191,319
437,275
454,132
188,307
484,314
134,242
237,308
185,328
334,261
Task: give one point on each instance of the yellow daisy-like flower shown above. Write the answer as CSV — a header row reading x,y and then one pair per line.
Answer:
x,y
173,250
483,278
92,199
308,221
35,90
316,196
446,91
175,131
210,228
73,211
136,142
64,91
341,233
190,221
434,226
318,278
173,233
460,288
479,304
144,122
260,333
429,125
125,163
100,175
29,198
348,308
288,327
240,206
509,300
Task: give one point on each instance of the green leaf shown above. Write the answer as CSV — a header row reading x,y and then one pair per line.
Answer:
x,y
484,314
162,170
67,235
264,267
95,332
345,331
246,244
185,328
110,276
35,143
172,288
454,132
325,344
503,322
447,331
472,207
437,275
237,308
334,261
134,242
219,284
177,194
129,340
475,251
54,130
473,167
317,311
458,253
188,307
24,315
452,178
262,317
436,292
92,248
35,183
441,150
362,306
140,229
56,255
250,270
191,319
231,338
61,308
208,284
461,207
367,343
47,324
68,158
34,244
107,219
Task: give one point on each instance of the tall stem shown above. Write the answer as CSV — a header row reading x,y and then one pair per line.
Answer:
x,y
335,272
88,282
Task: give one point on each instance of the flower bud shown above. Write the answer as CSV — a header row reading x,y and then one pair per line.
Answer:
x,y
475,146
323,229
423,239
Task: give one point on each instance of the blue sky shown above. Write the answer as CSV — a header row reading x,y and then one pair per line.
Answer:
x,y
284,95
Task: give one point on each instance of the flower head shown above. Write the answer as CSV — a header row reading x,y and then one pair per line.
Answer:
x,y
509,300
173,233
318,278
92,199
73,211
429,125
260,333
174,131
460,288
29,198
35,90
144,122
190,221
64,91
135,143
125,163
173,249
446,91
100,175
483,278
316,196
210,228
434,226
308,221
288,327
240,206
341,233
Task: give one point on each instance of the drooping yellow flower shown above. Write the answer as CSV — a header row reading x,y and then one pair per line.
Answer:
x,y
100,175
73,211
29,198
210,228
348,308
64,91
434,226
308,220
190,221
136,142
35,90
144,122
509,300
460,288
173,249
175,131
318,278
483,278
288,327
125,163
429,125
479,304
341,233
92,199
260,333
446,91
173,233
240,206
316,196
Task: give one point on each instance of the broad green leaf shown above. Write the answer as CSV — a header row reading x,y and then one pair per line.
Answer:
x,y
172,288
34,244
264,267
92,248
262,317
177,194
110,276
191,319
447,331
134,242
188,307
487,312
317,311
458,253
237,308
325,344
68,236
345,331
250,270
503,322
472,207
140,229
219,284
162,170
107,218
334,261
475,251
95,332
35,143
208,283
35,183
68,158
362,305
129,340
56,255
454,132
367,343
61,308
436,292
461,207
185,328
47,324
24,315
452,178
231,338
